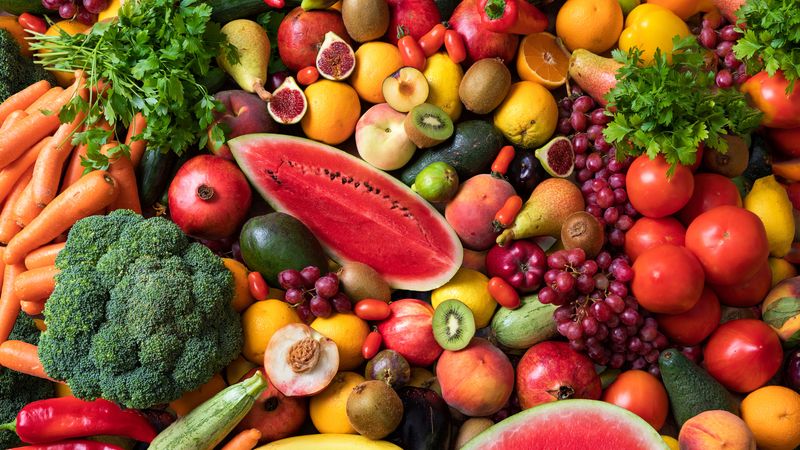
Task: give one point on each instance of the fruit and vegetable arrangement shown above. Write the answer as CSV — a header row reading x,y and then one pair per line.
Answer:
x,y
399,224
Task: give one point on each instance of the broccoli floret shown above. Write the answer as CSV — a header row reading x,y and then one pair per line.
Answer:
x,y
139,315
16,71
18,389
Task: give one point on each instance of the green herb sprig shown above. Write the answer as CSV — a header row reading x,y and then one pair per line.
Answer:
x,y
153,60
669,109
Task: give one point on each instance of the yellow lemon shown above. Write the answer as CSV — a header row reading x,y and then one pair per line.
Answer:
x,y
444,77
110,12
671,442
528,116
328,409
348,331
769,201
333,110
471,288
71,27
259,322
374,62
781,270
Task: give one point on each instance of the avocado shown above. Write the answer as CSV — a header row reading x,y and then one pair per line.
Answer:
x,y
691,389
275,242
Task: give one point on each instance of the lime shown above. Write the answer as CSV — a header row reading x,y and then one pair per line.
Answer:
x,y
437,182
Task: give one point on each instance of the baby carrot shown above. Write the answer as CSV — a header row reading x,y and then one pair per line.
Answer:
x,y
23,98
36,285
32,308
43,256
44,100
50,163
22,357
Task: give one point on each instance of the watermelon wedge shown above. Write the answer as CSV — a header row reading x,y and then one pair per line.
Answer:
x,y
357,212
570,425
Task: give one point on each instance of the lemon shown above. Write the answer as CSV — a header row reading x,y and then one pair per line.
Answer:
x,y
328,409
671,442
110,12
374,62
259,322
770,202
781,270
472,289
444,77
528,116
349,332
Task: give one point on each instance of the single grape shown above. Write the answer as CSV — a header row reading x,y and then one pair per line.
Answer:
x,y
601,312
574,331
341,303
599,117
724,48
52,5
594,132
602,332
310,275
576,256
565,104
563,327
615,166
584,174
557,260
661,342
320,307
620,290
639,364
562,314
67,10
578,121
729,33
623,273
708,38
616,237
583,104
294,296
629,316
611,215
605,198
615,303
616,361
548,296
651,356
290,278
565,282
327,286
304,312
95,6
85,17
731,62
578,345
589,325
595,210
654,371
724,78
564,126
594,162
617,180
620,196
580,161
613,321
634,344
580,143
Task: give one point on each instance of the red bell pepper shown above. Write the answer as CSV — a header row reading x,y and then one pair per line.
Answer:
x,y
71,445
771,94
511,16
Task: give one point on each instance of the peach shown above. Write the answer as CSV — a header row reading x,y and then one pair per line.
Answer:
x,y
244,113
716,430
472,210
781,297
381,138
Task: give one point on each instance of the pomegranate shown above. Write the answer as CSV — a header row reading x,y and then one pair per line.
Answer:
x,y
552,371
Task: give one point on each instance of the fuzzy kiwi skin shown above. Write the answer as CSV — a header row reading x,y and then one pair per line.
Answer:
x,y
420,139
730,164
374,409
365,20
484,86
581,229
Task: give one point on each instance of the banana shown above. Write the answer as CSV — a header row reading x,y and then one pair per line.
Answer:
x,y
308,5
329,442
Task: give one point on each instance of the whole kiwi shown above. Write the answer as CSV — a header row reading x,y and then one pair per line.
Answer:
x,y
374,409
365,20
581,229
485,85
361,281
732,163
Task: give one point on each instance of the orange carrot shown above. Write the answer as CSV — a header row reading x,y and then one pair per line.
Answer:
x,y
8,226
26,208
137,147
12,172
245,440
44,101
74,167
9,303
123,172
43,256
36,285
32,308
93,191
22,357
23,98
50,163
12,119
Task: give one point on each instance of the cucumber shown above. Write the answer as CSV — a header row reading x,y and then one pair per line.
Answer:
x,y
153,175
208,424
525,326
18,7
691,389
223,11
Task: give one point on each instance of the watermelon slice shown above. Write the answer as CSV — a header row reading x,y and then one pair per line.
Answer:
x,y
357,212
570,425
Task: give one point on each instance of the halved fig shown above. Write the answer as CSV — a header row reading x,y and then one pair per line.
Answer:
x,y
300,361
557,157
335,59
288,103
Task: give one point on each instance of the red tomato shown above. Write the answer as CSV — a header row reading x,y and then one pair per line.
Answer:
x,y
454,44
432,41
640,393
33,23
410,52
647,233
503,293
654,194
307,75
768,93
693,326
371,345
372,309
730,243
748,293
667,279
710,190
743,354
258,287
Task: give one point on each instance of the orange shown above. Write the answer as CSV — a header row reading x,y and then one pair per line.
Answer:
x,y
328,409
70,27
542,58
374,62
241,286
594,25
348,331
333,110
773,415
111,11
259,322
10,24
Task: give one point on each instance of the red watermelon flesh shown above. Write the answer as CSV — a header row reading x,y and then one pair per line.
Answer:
x,y
570,425
357,212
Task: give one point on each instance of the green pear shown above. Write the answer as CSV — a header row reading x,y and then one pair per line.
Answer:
x,y
252,43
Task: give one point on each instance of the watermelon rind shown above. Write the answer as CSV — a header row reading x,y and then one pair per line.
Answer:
x,y
550,420
245,150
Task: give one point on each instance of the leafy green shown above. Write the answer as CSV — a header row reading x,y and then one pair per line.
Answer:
x,y
771,39
153,59
669,109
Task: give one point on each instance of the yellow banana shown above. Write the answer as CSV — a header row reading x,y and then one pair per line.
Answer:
x,y
329,442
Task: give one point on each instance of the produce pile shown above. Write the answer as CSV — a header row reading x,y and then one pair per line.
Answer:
x,y
386,224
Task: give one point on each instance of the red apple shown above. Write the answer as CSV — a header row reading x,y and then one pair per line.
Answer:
x,y
551,371
409,331
693,326
481,43
476,381
416,16
245,113
301,33
275,415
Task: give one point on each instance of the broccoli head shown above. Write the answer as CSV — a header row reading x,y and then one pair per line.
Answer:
x,y
16,71
139,314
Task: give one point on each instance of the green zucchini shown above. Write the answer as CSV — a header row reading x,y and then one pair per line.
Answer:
x,y
525,326
153,175
223,11
18,7
208,424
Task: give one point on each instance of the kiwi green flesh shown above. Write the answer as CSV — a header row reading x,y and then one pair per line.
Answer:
x,y
427,125
453,325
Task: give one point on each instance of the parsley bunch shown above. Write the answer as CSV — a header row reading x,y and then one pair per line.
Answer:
x,y
669,109
154,60
771,39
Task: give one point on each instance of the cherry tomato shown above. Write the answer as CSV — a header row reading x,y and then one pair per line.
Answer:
x,y
743,354
371,309
371,345
505,216
432,41
307,75
277,4
454,44
693,326
710,190
667,279
503,160
258,287
503,293
33,23
647,233
730,243
640,393
749,292
652,192
410,52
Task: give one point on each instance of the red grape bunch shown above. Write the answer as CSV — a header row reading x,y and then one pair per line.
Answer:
x,y
715,33
84,11
313,294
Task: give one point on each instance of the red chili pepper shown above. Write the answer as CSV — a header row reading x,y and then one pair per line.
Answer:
x,y
72,445
33,23
503,293
454,44
511,16
505,216
503,160
432,41
307,75
410,52
372,309
277,4
258,287
371,345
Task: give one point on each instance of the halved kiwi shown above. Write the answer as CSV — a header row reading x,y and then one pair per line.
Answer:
x,y
453,325
427,125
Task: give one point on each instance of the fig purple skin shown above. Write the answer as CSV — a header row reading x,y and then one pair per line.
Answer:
x,y
522,264
389,366
791,373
